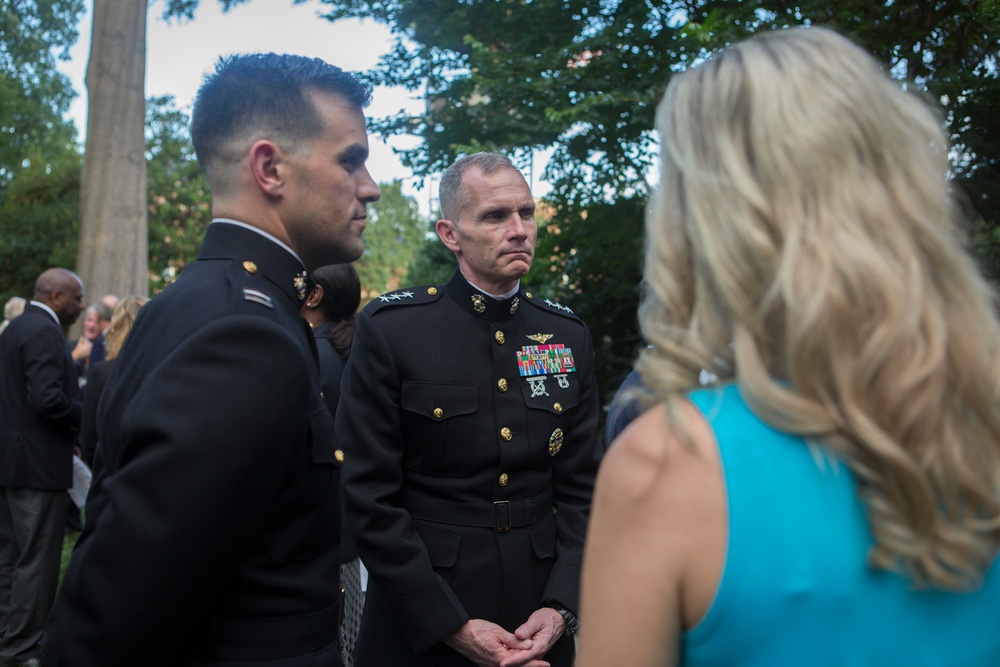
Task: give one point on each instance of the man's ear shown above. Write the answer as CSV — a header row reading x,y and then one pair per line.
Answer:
x,y
314,297
267,166
446,232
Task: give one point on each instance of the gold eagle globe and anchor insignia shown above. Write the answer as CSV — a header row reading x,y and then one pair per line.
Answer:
x,y
478,303
300,284
555,442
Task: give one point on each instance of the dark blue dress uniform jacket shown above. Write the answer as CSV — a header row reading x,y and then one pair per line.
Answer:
x,y
468,475
212,533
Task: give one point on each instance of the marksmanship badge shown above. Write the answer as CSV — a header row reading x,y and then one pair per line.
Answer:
x,y
537,386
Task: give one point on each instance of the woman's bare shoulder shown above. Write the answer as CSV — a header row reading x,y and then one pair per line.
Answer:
x,y
650,456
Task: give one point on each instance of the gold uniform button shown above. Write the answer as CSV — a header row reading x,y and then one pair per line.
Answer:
x,y
502,384
500,337
438,412
506,434
432,290
557,407
339,455
528,294
503,479
250,266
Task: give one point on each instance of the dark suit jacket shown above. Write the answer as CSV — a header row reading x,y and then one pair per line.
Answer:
x,y
214,521
39,405
624,407
97,379
97,351
441,427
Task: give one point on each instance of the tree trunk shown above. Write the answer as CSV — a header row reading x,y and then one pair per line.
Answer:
x,y
113,257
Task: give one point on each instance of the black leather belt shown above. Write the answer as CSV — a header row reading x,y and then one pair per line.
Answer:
x,y
501,515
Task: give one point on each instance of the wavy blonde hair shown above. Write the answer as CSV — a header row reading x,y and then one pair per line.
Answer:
x,y
804,242
121,323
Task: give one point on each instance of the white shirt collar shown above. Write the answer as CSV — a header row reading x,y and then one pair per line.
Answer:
x,y
48,310
498,297
269,237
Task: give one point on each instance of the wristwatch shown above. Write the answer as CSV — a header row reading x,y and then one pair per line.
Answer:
x,y
572,622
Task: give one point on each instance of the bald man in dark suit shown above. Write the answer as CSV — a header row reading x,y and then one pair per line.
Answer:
x,y
39,418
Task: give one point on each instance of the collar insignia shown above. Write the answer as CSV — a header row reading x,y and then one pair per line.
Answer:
x,y
478,303
514,304
300,284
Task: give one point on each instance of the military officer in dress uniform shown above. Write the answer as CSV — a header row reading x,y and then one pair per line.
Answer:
x,y
469,417
212,529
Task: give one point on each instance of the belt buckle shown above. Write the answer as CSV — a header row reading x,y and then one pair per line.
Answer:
x,y
501,517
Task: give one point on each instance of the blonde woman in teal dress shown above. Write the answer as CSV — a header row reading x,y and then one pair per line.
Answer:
x,y
835,498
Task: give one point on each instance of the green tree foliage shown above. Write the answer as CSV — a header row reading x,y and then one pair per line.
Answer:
x,y
39,161
39,211
433,264
34,96
393,235
582,78
38,222
178,196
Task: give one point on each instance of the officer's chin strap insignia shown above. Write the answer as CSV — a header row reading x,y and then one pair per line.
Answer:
x,y
478,303
514,304
555,442
540,337
300,284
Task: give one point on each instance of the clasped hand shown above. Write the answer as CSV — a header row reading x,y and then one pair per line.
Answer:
x,y
489,645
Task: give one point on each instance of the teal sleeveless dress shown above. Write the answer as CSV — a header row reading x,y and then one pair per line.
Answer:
x,y
795,587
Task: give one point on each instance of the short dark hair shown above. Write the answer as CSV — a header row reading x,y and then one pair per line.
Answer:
x,y
265,92
451,193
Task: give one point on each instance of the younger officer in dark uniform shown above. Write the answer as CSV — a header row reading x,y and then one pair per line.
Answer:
x,y
213,527
469,417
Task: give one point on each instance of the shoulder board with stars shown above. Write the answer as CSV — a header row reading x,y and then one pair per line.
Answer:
x,y
409,296
550,305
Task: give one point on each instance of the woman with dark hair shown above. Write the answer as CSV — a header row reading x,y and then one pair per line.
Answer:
x,y
331,310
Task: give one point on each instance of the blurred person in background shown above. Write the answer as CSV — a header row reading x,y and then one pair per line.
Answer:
x,y
39,420
331,310
11,309
121,323
105,307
